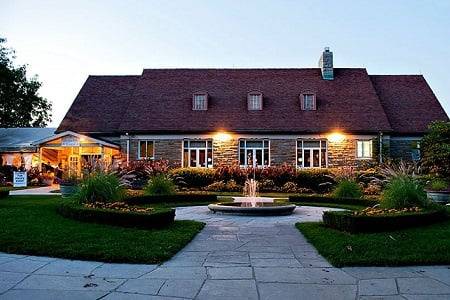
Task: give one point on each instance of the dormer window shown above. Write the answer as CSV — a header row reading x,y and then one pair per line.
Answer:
x,y
200,101
254,101
308,101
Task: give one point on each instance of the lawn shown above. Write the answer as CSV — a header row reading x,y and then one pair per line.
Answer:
x,y
415,246
30,225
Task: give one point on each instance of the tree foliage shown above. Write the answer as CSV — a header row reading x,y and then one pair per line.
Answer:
x,y
20,103
436,148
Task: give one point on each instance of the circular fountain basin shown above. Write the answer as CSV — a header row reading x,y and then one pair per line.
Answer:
x,y
260,208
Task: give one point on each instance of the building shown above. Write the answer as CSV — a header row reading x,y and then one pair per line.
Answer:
x,y
309,118
17,146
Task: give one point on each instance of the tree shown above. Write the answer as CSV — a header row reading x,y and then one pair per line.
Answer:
x,y
436,148
20,103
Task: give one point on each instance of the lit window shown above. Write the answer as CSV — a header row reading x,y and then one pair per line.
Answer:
x,y
254,101
197,154
364,149
146,150
254,153
308,102
200,102
312,153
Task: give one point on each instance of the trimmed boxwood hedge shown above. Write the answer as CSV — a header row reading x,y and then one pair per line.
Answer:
x,y
176,198
4,193
347,221
158,219
325,199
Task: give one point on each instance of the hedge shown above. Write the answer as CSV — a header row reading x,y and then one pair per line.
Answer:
x,y
327,199
176,198
156,219
4,193
347,221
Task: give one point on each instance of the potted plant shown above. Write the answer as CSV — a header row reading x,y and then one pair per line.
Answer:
x,y
439,191
68,185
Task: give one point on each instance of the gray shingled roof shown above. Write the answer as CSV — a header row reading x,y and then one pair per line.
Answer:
x,y
21,139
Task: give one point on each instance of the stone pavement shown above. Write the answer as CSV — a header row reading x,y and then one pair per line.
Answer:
x,y
38,191
234,257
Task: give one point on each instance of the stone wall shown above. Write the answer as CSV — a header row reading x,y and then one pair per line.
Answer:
x,y
343,153
225,152
282,151
170,150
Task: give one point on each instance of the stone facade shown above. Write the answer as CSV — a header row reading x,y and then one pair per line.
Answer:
x,y
225,152
282,151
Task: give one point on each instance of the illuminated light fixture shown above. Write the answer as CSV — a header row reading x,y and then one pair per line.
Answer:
x,y
222,136
336,137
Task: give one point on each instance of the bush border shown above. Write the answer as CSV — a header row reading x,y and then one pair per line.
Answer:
x,y
176,198
348,222
4,193
327,199
158,219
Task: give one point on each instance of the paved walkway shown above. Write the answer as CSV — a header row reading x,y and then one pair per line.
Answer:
x,y
234,257
38,191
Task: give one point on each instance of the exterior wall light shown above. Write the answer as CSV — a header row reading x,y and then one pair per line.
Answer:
x,y
336,137
222,136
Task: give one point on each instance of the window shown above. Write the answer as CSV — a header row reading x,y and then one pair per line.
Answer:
x,y
200,102
146,150
312,153
254,101
254,153
197,153
364,149
308,101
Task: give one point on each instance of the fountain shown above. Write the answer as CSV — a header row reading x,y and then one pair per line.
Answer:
x,y
252,204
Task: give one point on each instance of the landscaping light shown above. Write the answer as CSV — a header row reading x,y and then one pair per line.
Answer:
x,y
222,136
336,137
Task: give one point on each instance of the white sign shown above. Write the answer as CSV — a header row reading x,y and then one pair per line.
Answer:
x,y
70,141
20,179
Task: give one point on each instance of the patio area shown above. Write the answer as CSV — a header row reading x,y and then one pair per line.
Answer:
x,y
233,257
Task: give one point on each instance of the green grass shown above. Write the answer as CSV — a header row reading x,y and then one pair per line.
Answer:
x,y
30,225
426,245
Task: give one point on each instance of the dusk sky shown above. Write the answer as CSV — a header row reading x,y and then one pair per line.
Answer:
x,y
65,41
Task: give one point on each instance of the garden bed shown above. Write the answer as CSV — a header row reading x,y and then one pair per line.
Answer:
x,y
30,225
357,223
154,219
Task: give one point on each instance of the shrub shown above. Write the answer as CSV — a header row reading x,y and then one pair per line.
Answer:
x,y
439,185
4,193
137,173
403,191
232,186
435,148
160,185
347,221
348,189
176,198
313,179
218,186
100,187
267,185
193,177
289,187
158,219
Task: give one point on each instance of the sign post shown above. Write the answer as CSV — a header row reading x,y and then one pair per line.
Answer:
x,y
20,179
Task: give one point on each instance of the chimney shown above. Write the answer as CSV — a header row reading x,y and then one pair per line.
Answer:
x,y
326,64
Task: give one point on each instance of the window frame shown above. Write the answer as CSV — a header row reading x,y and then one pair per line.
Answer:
x,y
208,147
303,105
265,146
250,100
362,141
320,148
146,150
194,95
